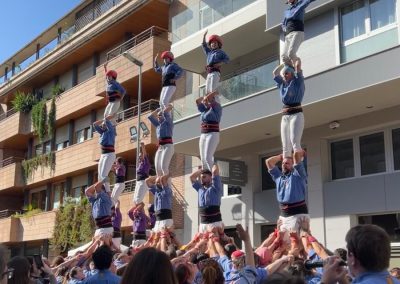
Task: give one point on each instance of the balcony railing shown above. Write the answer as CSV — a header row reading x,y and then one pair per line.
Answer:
x,y
247,83
7,114
10,161
133,111
129,185
203,14
84,17
8,213
150,32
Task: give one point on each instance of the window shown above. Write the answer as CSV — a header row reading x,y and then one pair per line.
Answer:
x,y
62,145
234,189
396,148
83,134
389,222
342,159
58,194
38,200
47,147
381,13
367,27
372,154
38,150
364,16
353,20
78,192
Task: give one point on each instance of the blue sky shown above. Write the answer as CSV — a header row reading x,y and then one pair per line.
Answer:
x,y
23,20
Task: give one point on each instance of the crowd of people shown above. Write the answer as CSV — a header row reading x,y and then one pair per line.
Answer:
x,y
290,254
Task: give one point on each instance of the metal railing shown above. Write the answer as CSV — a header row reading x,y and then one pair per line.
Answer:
x,y
8,213
84,17
133,111
150,32
129,185
10,161
7,114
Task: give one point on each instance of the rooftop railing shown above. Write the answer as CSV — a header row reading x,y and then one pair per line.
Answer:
x,y
150,32
84,17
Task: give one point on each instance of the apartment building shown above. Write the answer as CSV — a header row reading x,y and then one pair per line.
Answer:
x,y
71,54
350,60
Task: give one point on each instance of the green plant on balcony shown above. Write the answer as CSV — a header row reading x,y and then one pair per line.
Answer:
x,y
39,116
30,166
74,223
28,211
56,92
23,102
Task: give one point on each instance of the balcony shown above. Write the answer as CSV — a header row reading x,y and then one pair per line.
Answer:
x,y
9,230
11,173
242,30
260,113
79,158
37,227
74,45
15,128
202,14
250,82
80,99
144,46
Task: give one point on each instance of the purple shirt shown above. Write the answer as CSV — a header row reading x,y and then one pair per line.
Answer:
x,y
144,168
120,170
140,220
152,219
117,219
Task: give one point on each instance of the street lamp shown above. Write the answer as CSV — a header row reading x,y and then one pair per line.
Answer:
x,y
139,63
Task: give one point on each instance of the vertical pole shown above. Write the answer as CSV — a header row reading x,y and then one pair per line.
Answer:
x,y
139,114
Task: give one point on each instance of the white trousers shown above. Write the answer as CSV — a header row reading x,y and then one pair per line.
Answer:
x,y
116,192
111,109
208,143
140,191
163,158
292,43
104,168
292,126
203,228
292,224
166,94
163,224
212,82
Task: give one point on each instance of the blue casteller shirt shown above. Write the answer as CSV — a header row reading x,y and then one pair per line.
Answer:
x,y
247,275
212,113
209,196
165,127
101,204
214,56
375,278
291,92
169,68
114,87
107,135
290,188
295,12
162,197
103,277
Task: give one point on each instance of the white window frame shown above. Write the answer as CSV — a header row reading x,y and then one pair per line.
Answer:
x,y
388,142
368,32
